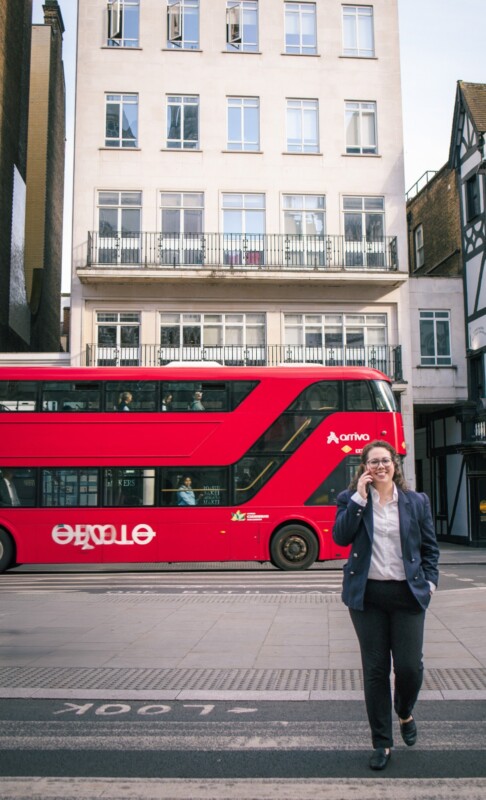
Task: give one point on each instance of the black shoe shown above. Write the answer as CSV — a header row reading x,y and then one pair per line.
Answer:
x,y
380,758
409,732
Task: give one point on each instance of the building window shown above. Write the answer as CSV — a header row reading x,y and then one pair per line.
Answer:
x,y
300,28
473,205
353,339
358,38
181,227
304,221
361,128
183,24
244,229
119,224
118,338
304,214
121,128
435,339
419,246
123,23
364,231
243,123
302,126
182,122
244,213
242,25
230,330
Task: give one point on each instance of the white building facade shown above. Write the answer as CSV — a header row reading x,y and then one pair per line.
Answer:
x,y
238,187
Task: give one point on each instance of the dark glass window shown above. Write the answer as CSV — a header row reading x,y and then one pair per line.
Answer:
x,y
18,396
69,487
70,396
23,486
196,486
337,481
358,396
131,396
473,205
129,487
253,472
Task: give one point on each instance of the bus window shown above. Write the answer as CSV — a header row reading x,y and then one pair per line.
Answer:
x,y
384,397
287,433
337,481
323,396
358,396
18,396
251,473
68,396
17,486
214,395
69,487
129,487
143,395
196,486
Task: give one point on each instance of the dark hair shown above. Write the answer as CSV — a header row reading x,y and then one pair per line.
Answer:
x,y
397,475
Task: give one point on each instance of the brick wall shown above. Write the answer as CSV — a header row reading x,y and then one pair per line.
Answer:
x,y
436,208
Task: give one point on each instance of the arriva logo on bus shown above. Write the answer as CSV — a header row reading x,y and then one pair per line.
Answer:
x,y
89,536
347,437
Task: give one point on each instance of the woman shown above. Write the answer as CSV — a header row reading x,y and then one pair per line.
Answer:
x,y
185,493
388,581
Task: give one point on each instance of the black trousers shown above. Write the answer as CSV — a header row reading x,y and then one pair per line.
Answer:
x,y
391,626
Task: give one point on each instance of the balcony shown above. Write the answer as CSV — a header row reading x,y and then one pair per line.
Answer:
x,y
386,358
146,256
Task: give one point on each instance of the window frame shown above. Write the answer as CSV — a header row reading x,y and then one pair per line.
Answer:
x,y
418,243
358,52
181,102
473,198
122,100
300,49
236,40
246,145
360,110
435,317
177,11
302,105
117,10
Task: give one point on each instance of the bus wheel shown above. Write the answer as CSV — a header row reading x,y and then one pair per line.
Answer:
x,y
7,551
294,547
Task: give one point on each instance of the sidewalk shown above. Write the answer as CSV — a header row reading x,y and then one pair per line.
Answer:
x,y
153,646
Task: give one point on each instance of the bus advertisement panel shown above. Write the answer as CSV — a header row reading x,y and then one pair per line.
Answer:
x,y
174,464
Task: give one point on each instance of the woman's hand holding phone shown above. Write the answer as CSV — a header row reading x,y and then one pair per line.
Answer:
x,y
364,483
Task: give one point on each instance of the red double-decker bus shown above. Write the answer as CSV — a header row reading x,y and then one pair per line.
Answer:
x,y
180,464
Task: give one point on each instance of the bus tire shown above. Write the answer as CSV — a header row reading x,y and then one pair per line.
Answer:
x,y
294,547
7,551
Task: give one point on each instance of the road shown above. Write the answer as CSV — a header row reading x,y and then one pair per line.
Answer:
x,y
268,746
221,581
182,740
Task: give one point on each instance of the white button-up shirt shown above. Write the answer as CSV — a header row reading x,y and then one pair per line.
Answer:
x,y
386,554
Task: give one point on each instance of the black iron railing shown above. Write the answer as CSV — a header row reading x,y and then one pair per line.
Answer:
x,y
238,251
386,358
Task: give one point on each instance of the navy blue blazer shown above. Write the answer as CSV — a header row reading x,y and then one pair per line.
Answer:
x,y
354,526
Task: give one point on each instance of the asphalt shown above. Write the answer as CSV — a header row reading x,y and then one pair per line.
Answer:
x,y
154,646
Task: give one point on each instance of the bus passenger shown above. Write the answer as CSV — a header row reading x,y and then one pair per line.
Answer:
x,y
185,493
166,402
8,492
124,402
196,404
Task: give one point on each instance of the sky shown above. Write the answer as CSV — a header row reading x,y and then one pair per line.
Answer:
x,y
441,42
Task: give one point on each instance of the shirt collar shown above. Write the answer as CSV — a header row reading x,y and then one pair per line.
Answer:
x,y
375,494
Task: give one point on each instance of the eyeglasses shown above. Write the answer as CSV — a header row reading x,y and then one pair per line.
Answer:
x,y
375,462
